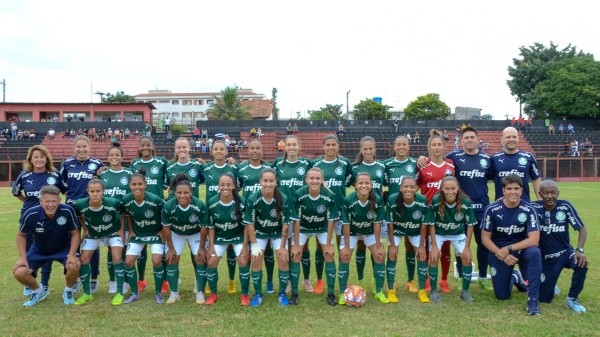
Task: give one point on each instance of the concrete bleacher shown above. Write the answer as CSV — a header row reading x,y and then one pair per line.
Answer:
x,y
556,145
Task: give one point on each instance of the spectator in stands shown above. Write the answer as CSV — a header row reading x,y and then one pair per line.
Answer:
x,y
253,132
32,134
69,118
14,129
167,123
210,142
396,123
417,137
196,133
340,131
561,129
570,129
136,133
528,123
551,130
295,128
19,134
51,133
204,133
513,122
81,118
259,132
408,137
446,136
289,128
589,147
148,130
281,146
170,137
197,145
521,123
24,134
127,133
117,134
575,148
109,133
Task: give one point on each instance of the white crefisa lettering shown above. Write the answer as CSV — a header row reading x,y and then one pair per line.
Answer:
x,y
513,171
80,175
313,218
226,226
292,182
144,223
511,229
150,181
553,228
472,174
333,183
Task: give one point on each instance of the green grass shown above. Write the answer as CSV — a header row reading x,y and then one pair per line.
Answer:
x,y
312,317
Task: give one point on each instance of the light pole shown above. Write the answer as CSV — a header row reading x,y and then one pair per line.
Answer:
x,y
101,94
3,91
347,109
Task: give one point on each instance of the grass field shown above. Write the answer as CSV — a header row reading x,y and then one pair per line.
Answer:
x,y
312,317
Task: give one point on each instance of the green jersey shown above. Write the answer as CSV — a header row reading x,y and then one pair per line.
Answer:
x,y
229,228
102,222
413,216
192,169
249,177
116,183
376,171
360,218
156,173
145,217
263,215
337,174
291,174
396,169
315,213
184,221
211,173
452,222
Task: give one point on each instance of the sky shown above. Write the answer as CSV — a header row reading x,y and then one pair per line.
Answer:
x,y
313,52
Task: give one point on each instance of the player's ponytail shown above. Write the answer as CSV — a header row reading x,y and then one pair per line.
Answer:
x,y
141,173
115,145
180,179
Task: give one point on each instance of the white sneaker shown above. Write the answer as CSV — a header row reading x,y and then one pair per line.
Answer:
x,y
200,297
173,298
125,288
94,286
112,287
77,286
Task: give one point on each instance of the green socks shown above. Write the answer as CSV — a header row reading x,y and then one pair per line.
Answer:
x,y
200,271
330,272
433,277
173,277
159,276
294,276
120,276
319,263
343,276
391,273
379,274
410,265
245,279
231,262
360,263
132,279
467,271
213,277
84,276
257,281
306,264
422,276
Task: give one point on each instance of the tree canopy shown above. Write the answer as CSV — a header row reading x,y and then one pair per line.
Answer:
x,y
370,109
118,97
228,107
328,112
428,106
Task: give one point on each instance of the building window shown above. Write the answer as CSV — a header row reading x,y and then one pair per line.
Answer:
x,y
175,102
197,102
163,101
186,102
210,101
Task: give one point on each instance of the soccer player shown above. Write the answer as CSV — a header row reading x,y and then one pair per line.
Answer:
x,y
55,230
226,229
337,174
76,172
185,164
102,222
395,169
211,172
555,245
182,219
362,215
316,211
514,161
409,214
473,170
452,216
116,185
511,234
144,209
291,171
39,172
266,216
429,180
249,173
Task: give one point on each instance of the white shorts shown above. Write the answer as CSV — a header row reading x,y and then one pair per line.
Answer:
x,y
414,240
338,224
220,249
92,244
384,230
179,241
369,240
459,241
262,243
136,248
321,237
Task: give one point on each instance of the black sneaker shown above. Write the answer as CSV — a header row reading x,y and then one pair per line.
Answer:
x,y
294,299
331,299
533,308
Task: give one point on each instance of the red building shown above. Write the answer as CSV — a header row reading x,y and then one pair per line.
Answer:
x,y
59,112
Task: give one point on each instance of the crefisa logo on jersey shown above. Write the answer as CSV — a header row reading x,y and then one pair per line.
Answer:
x,y
149,214
410,169
371,215
483,163
124,181
379,173
92,166
193,218
339,171
458,216
273,213
107,218
522,161
193,173
321,209
301,171
560,216
51,181
61,220
522,217
417,215
154,170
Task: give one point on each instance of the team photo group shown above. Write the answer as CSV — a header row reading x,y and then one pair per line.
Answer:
x,y
259,213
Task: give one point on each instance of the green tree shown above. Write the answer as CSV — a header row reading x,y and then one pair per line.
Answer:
x,y
334,109
321,115
427,107
118,97
275,111
228,107
369,109
532,68
571,88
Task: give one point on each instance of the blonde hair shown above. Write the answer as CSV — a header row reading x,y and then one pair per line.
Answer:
x,y
28,164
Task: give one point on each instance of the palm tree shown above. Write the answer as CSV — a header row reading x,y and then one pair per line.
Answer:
x,y
228,107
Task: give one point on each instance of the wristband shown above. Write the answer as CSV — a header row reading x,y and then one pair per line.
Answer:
x,y
255,250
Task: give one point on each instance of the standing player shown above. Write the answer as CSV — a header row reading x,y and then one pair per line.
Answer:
x,y
182,219
429,181
76,172
555,245
39,172
453,216
185,164
145,210
267,215
55,231
409,214
226,229
395,169
316,211
337,173
362,215
102,221
511,234
514,161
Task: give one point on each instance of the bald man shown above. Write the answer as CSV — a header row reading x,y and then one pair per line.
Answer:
x,y
555,216
514,161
